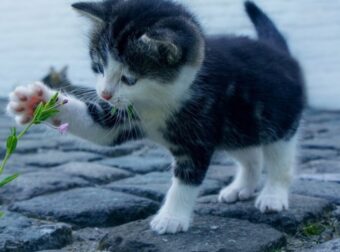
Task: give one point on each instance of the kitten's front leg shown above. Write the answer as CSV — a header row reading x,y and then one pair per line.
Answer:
x,y
176,213
89,121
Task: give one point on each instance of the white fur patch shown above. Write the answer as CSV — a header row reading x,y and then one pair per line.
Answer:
x,y
280,161
272,199
109,81
175,214
246,181
156,102
81,123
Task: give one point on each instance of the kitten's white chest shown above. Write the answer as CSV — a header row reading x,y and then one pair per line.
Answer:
x,y
154,124
156,102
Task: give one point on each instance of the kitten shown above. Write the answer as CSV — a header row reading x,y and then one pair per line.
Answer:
x,y
193,94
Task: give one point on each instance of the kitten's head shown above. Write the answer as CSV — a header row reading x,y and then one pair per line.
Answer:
x,y
143,50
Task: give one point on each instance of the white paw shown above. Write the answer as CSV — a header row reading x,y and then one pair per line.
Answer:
x,y
24,99
169,224
275,201
233,193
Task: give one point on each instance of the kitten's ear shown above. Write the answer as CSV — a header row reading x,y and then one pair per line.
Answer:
x,y
63,71
95,11
162,48
52,70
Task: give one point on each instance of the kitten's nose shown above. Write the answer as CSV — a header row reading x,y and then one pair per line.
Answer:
x,y
106,95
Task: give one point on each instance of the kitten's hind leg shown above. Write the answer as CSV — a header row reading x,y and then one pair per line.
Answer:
x,y
246,180
279,161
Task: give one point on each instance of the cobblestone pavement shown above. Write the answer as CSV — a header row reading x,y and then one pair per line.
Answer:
x,y
74,196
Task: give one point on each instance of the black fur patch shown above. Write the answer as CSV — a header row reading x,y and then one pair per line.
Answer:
x,y
172,34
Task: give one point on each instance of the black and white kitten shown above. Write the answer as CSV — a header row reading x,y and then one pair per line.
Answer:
x,y
193,94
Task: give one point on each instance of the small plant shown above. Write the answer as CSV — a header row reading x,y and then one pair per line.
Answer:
x,y
313,229
130,111
42,112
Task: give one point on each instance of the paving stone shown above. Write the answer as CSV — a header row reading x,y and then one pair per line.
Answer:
x,y
155,185
331,246
321,166
2,151
4,133
19,233
322,143
31,146
152,150
85,240
336,213
138,164
320,117
92,172
308,155
33,184
221,173
331,130
208,233
88,207
121,150
302,208
326,177
326,190
30,136
317,131
6,122
221,158
52,158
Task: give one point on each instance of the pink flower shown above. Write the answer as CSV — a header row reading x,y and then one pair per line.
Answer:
x,y
63,128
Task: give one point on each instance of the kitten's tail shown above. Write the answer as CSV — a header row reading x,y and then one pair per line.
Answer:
x,y
266,29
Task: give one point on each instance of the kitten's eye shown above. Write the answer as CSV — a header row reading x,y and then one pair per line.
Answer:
x,y
130,81
98,69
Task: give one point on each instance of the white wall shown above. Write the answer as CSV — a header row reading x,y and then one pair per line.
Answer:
x,y
35,34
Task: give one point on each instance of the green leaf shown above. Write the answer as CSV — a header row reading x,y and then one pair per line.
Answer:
x,y
130,111
13,131
54,99
2,214
11,144
52,102
313,229
47,110
12,141
113,111
37,113
9,179
48,114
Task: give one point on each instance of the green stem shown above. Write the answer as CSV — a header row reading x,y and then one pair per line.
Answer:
x,y
3,163
22,133
8,155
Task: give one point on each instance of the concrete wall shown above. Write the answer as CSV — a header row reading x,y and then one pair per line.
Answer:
x,y
38,33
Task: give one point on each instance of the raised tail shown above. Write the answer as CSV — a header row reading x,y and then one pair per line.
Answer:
x,y
266,29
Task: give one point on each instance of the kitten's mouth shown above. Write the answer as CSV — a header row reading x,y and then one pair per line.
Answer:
x,y
119,103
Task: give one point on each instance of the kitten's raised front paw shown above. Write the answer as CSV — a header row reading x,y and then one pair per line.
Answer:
x,y
24,99
268,202
169,224
233,193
